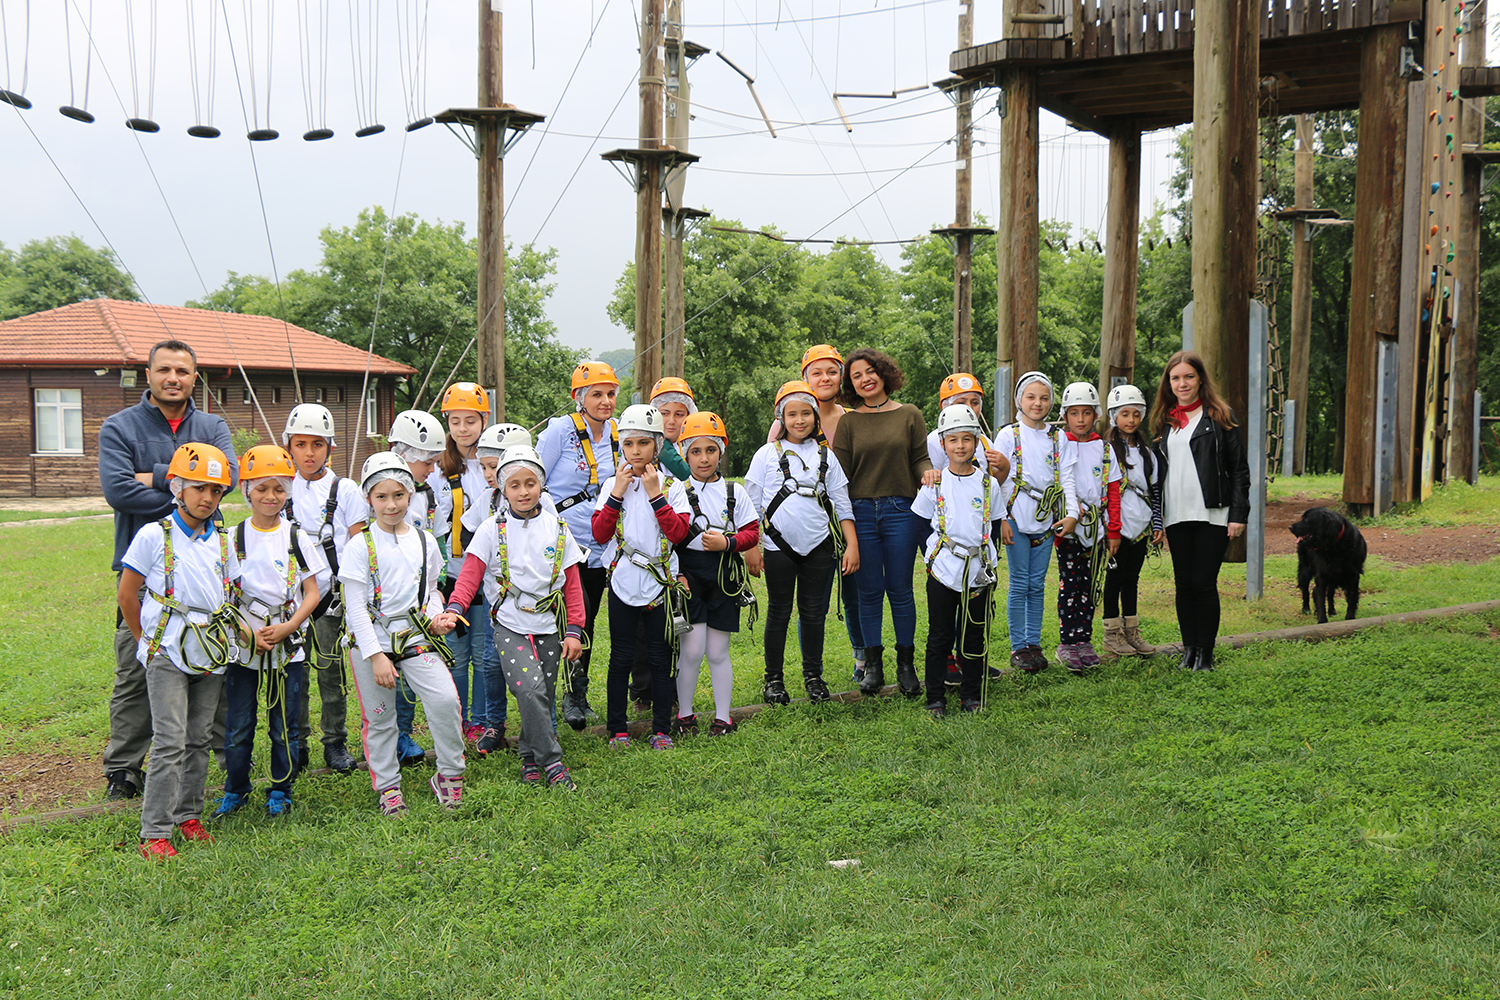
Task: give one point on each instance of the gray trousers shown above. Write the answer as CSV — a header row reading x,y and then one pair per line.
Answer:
x,y
182,714
428,676
530,663
130,715
329,669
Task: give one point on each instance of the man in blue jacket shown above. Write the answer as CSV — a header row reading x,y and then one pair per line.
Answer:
x,y
135,446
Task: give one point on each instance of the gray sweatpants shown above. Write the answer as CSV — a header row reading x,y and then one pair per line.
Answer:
x,y
530,663
130,715
428,677
329,669
182,716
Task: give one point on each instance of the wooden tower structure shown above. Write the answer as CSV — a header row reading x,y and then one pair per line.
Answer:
x,y
1121,67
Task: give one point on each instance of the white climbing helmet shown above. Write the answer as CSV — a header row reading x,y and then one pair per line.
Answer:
x,y
417,429
308,418
385,465
1080,394
958,418
517,456
641,418
492,439
1122,396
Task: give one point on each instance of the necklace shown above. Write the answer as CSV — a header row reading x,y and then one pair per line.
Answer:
x,y
878,407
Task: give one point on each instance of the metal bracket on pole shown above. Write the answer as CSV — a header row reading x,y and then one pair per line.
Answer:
x,y
1288,441
1255,431
1385,425
682,221
509,120
631,158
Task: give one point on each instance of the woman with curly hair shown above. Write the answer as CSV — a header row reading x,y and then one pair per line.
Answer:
x,y
1205,495
882,447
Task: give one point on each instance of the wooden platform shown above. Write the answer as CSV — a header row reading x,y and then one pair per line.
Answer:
x,y
1119,60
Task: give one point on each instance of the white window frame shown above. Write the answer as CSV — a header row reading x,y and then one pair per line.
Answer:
x,y
55,411
317,395
372,411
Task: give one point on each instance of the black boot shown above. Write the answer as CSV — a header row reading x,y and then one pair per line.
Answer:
x,y
774,691
874,671
1189,659
1205,659
906,671
575,705
817,689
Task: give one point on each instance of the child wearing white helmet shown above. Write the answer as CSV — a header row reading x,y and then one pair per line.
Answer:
x,y
1040,506
638,527
331,509
395,619
724,523
1140,521
1082,554
526,561
964,509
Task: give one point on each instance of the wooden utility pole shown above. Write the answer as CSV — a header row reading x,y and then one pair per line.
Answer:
x,y
1376,266
1226,63
648,200
487,140
1465,376
1121,258
676,217
1017,245
963,218
1302,201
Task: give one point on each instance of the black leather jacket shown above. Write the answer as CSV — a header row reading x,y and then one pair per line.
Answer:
x,y
1223,472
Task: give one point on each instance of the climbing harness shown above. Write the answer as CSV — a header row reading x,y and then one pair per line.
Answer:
x,y
585,443
410,632
733,576
551,602
984,581
819,492
219,636
1050,502
255,609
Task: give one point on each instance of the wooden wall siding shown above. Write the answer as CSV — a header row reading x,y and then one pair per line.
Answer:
x,y
23,475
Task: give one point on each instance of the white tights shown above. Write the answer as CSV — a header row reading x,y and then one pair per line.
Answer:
x,y
703,642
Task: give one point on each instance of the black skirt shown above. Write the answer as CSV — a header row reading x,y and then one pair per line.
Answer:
x,y
707,602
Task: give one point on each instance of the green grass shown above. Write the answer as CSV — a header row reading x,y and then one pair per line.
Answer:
x,y
38,515
1451,504
1308,821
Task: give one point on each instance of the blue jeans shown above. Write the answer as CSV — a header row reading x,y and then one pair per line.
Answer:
x,y
1027,586
284,694
888,536
474,660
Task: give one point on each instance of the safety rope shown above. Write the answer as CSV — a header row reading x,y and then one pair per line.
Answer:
x,y
219,636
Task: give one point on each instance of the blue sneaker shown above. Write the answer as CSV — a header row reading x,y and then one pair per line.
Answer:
x,y
278,803
409,751
228,804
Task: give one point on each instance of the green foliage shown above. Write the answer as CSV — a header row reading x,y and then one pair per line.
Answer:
x,y
59,271
244,439
416,284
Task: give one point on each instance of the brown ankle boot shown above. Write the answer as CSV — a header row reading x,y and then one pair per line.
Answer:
x,y
1114,638
1133,636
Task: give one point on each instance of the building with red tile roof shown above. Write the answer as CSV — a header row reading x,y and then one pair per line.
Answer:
x,y
63,371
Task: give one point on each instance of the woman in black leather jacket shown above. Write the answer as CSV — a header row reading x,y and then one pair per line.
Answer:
x,y
1205,495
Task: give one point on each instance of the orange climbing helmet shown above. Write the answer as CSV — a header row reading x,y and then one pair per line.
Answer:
x,y
957,383
593,373
704,424
264,461
466,396
670,383
201,463
794,386
821,352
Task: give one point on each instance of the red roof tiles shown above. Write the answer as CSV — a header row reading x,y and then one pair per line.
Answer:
x,y
109,332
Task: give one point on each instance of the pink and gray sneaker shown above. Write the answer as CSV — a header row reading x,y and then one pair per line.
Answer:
x,y
449,789
392,803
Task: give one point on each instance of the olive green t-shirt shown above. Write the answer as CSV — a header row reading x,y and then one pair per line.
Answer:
x,y
883,454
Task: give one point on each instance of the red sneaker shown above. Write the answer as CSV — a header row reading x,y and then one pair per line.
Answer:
x,y
193,830
157,849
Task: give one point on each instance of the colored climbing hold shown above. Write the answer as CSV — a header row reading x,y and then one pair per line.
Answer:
x,y
1435,187
1433,232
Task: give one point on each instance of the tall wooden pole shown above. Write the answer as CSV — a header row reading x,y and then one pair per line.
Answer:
x,y
678,116
1226,61
1465,376
1017,241
1376,267
1121,258
963,186
1302,181
491,333
648,201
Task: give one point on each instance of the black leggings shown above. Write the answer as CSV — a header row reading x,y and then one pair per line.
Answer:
x,y
1122,581
624,623
806,578
945,609
1197,553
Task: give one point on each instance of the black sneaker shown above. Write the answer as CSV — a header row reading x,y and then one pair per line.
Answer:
x,y
937,709
338,759
722,728
993,673
774,692
970,705
490,740
1036,660
575,710
120,787
685,725
817,690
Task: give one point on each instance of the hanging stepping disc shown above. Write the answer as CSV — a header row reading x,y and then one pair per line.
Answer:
x,y
13,98
77,114
263,134
142,125
203,132
419,123
318,134
369,130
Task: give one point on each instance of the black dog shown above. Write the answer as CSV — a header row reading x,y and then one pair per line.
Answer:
x,y
1330,555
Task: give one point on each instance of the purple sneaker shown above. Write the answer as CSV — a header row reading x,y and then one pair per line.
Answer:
x,y
1087,655
1067,655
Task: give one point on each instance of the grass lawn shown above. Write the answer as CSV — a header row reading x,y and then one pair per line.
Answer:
x,y
1308,821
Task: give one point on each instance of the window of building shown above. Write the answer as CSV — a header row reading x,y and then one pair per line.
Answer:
x,y
372,413
276,394
315,395
59,421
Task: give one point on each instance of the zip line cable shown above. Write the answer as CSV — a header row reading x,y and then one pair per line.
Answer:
x,y
815,18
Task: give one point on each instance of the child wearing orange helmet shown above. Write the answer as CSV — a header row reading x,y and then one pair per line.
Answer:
x,y
185,635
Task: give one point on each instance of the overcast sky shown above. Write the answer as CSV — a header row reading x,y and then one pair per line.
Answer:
x,y
814,179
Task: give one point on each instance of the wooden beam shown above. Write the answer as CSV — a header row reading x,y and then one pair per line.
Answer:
x,y
1019,237
1374,297
1408,321
1121,257
1301,334
488,137
1225,175
1465,377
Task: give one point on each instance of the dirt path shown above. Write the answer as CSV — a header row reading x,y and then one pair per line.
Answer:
x,y
1417,546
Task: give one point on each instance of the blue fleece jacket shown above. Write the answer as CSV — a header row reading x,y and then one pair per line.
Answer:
x,y
140,440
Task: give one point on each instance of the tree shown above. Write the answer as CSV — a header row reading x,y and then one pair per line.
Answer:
x,y
59,271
